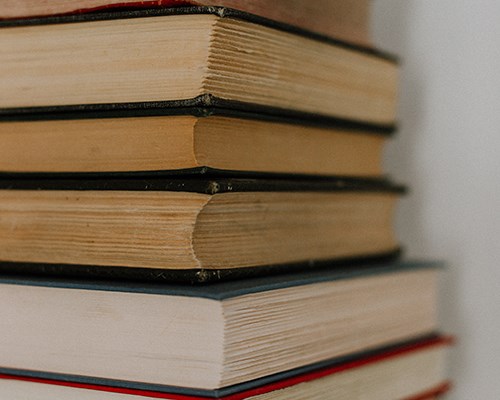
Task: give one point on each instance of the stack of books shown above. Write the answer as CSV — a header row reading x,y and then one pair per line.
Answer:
x,y
192,206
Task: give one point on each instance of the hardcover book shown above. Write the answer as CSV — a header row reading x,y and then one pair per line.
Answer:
x,y
162,337
412,371
191,228
186,139
337,18
188,57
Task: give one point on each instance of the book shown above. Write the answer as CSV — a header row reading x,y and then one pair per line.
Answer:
x,y
336,18
207,140
413,371
210,337
188,57
195,227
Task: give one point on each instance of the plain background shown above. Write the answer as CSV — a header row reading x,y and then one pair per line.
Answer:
x,y
448,151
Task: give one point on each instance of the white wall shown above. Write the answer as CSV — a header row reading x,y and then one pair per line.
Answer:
x,y
448,151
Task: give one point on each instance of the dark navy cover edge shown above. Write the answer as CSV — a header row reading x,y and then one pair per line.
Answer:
x,y
221,290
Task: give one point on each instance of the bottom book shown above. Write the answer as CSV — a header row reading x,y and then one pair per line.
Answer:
x,y
411,371
215,336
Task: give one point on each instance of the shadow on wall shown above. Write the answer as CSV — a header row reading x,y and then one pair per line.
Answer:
x,y
394,29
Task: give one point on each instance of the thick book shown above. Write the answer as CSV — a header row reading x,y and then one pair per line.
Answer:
x,y
191,228
187,57
183,139
159,336
347,20
412,371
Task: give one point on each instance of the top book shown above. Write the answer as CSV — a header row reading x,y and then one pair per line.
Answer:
x,y
190,56
346,20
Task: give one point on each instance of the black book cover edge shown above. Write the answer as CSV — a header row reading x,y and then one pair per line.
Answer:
x,y
109,274
230,390
197,183
201,105
194,173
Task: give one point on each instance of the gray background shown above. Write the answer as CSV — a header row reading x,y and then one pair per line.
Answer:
x,y
447,150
